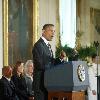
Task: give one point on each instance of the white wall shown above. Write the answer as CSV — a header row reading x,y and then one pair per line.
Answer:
x,y
1,39
88,37
96,5
47,14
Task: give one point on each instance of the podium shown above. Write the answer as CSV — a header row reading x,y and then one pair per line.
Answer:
x,y
67,81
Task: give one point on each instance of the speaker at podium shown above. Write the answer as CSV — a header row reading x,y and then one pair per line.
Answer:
x,y
70,77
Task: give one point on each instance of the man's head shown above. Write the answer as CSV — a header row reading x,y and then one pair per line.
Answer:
x,y
63,55
7,71
94,56
48,31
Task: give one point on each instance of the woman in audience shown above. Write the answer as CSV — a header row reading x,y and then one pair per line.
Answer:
x,y
29,77
19,81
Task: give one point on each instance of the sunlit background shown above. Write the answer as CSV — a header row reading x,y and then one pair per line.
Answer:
x,y
68,22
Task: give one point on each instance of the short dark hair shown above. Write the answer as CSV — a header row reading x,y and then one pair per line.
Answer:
x,y
46,26
18,63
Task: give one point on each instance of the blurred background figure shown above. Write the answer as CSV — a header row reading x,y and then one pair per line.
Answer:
x,y
74,56
19,81
7,87
29,69
92,71
62,58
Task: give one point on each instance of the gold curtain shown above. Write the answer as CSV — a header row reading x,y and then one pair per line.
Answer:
x,y
6,28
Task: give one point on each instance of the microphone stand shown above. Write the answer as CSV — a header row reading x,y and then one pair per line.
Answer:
x,y
96,44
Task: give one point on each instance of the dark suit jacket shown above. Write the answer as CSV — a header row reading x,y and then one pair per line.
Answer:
x,y
58,61
41,60
21,87
41,55
7,90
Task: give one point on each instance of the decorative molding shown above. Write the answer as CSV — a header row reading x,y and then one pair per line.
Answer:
x,y
58,41
35,25
35,20
5,32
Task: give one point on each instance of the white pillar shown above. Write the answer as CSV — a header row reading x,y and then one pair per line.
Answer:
x,y
1,39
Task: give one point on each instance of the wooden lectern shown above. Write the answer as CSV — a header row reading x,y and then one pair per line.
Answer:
x,y
66,95
67,81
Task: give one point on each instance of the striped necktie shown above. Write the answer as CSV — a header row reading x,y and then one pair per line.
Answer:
x,y
51,52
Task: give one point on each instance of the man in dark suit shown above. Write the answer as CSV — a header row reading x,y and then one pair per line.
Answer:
x,y
61,59
42,58
7,88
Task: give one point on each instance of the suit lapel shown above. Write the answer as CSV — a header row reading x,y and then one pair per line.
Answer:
x,y
45,47
10,84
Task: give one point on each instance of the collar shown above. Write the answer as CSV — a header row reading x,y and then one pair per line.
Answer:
x,y
61,60
45,40
31,77
7,78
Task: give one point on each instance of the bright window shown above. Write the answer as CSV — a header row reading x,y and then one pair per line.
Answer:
x,y
68,22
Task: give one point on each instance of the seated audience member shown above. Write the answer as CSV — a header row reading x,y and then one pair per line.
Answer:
x,y
62,58
92,71
7,87
19,81
74,55
29,68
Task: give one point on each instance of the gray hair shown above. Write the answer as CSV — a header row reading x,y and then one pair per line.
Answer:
x,y
29,62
